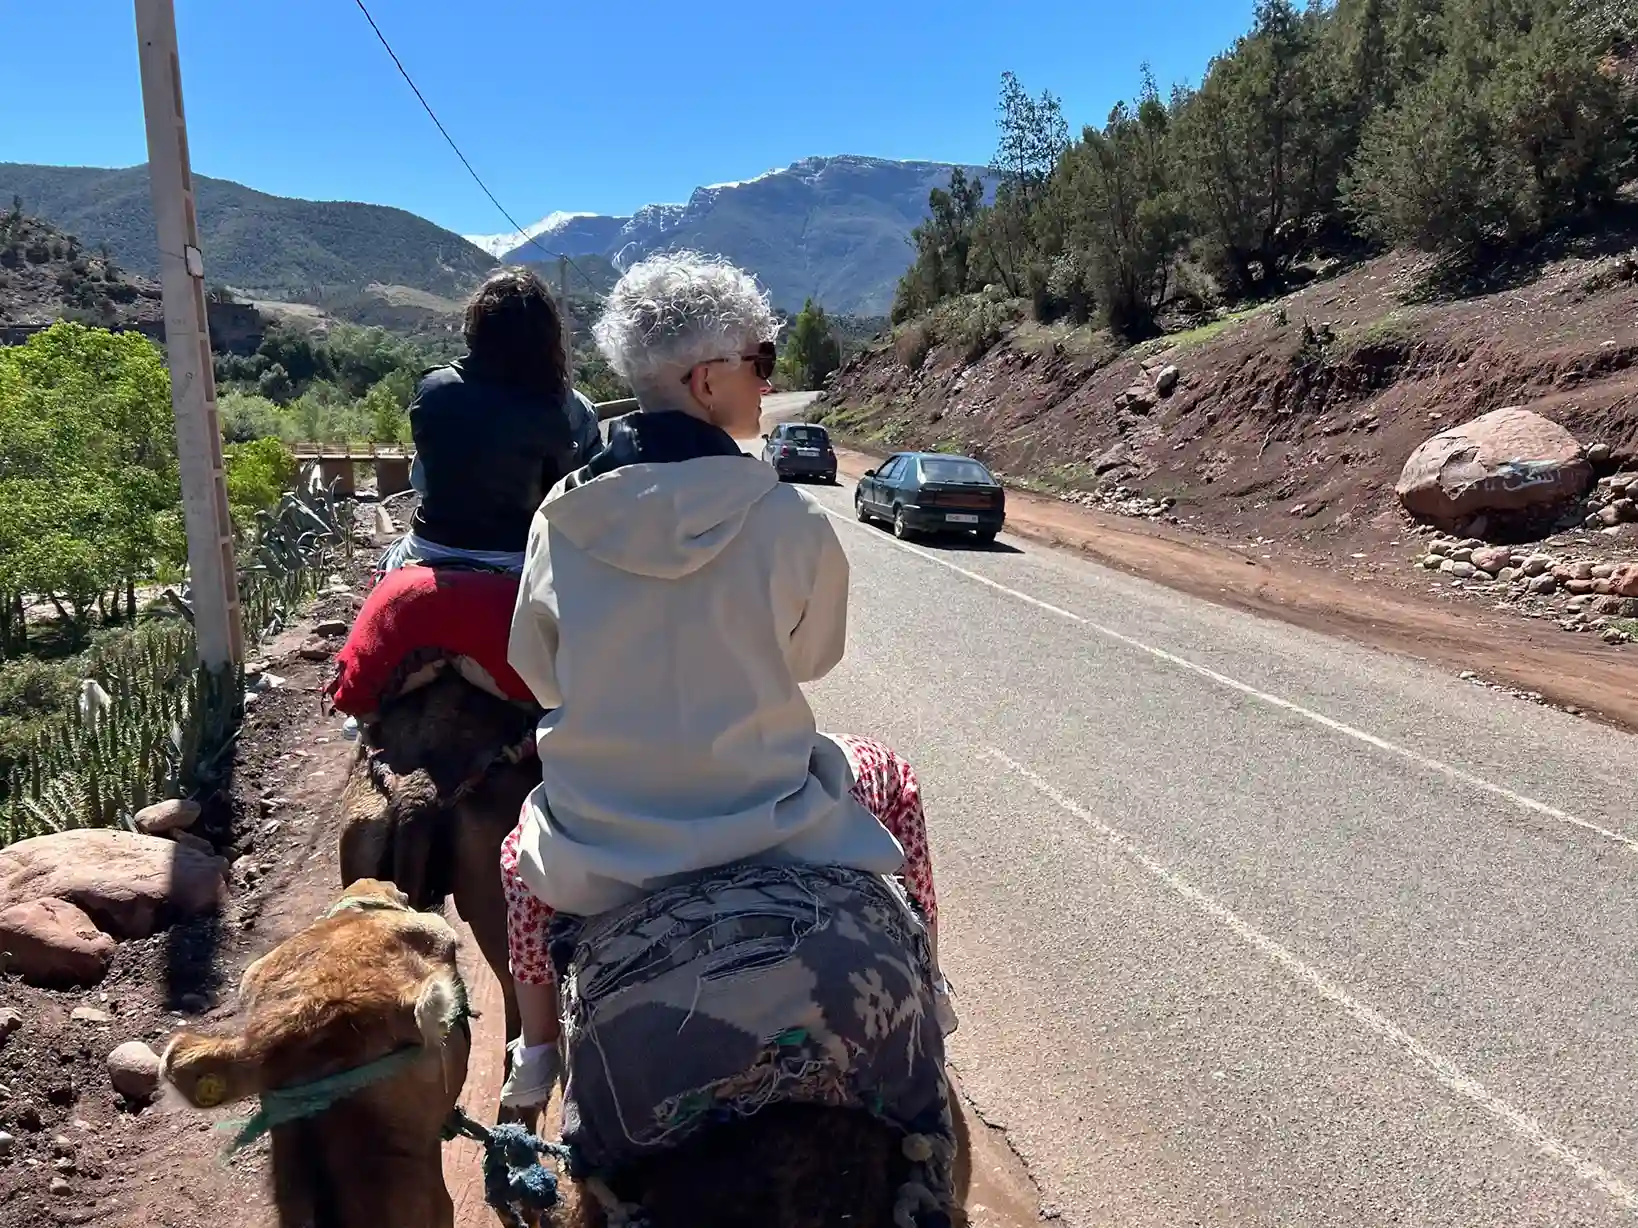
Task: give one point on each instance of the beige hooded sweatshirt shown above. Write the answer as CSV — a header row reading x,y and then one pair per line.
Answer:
x,y
666,615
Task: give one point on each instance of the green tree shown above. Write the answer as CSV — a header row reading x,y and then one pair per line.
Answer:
x,y
812,351
1113,200
258,473
87,468
944,247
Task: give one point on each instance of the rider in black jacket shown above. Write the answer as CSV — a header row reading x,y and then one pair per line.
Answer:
x,y
496,428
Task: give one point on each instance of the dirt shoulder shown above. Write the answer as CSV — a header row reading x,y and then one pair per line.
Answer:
x,y
1573,672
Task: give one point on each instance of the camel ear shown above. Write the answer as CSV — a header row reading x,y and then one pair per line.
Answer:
x,y
210,1070
437,1005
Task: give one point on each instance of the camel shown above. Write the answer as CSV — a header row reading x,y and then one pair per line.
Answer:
x,y
372,978
432,742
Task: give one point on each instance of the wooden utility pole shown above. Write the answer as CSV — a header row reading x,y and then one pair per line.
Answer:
x,y
212,574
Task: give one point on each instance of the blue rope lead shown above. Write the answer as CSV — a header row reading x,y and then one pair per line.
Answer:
x,y
515,1182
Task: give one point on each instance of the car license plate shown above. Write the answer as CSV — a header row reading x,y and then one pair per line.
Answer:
x,y
961,518
807,451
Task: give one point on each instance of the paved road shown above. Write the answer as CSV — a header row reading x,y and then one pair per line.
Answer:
x,y
1251,926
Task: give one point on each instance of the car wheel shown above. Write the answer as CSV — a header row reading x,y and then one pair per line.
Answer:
x,y
901,527
859,508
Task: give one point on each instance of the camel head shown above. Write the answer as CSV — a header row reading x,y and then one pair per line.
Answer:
x,y
371,988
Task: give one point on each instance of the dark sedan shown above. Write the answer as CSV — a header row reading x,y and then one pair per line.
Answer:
x,y
800,449
932,492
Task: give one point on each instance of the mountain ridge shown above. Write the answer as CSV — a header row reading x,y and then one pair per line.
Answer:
x,y
833,227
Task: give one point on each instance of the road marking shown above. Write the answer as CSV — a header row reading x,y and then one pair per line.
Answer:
x,y
1450,771
1444,1070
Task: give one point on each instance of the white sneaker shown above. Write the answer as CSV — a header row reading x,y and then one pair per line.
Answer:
x,y
944,1005
534,1074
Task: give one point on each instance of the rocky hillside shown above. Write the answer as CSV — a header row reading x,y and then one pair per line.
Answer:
x,y
47,275
835,229
253,241
1285,427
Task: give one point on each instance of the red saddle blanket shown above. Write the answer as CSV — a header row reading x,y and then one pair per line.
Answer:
x,y
419,621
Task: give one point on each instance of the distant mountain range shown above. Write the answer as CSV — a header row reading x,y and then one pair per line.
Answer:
x,y
251,240
836,229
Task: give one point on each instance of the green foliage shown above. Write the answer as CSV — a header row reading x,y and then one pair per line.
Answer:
x,y
1453,125
811,351
87,467
1515,130
258,472
170,726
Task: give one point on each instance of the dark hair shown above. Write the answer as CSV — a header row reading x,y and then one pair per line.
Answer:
x,y
515,333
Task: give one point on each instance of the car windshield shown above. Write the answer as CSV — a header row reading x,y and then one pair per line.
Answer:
x,y
807,436
954,469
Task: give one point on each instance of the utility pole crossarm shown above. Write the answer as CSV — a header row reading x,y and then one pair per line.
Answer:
x,y
211,567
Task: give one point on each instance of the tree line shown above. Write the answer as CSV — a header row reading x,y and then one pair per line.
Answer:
x,y
1463,127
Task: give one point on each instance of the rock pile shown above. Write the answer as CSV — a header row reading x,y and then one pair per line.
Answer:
x,y
1126,502
1582,594
1507,463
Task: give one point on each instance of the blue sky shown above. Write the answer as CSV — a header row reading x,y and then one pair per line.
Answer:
x,y
600,106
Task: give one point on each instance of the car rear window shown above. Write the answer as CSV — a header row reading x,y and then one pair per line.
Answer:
x,y
954,469
806,435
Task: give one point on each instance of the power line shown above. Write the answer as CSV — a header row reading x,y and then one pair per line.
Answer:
x,y
476,178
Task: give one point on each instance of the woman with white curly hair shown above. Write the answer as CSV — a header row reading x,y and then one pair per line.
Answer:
x,y
675,595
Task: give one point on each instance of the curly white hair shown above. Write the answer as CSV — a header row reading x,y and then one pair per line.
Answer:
x,y
673,311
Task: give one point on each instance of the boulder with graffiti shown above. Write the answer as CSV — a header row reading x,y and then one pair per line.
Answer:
x,y
1509,463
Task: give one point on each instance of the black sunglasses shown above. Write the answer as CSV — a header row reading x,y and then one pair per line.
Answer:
x,y
762,362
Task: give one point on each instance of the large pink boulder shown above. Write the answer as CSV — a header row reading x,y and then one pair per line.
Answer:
x,y
131,885
53,944
1505,461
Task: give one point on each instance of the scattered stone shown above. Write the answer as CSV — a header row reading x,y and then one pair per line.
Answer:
x,y
133,1069
10,1020
1461,570
1462,554
1624,580
60,1187
62,1145
1614,635
1598,454
1580,588
1431,562
123,880
1543,585
332,627
1166,380
52,944
28,1118
7,1142
89,1014
1537,564
314,650
1507,460
1508,574
168,816
1114,458
1491,558
1441,546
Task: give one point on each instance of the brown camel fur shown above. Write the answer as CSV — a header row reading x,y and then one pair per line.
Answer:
x,y
355,986
433,740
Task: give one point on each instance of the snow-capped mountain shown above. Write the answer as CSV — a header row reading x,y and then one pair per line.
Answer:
x,y
836,228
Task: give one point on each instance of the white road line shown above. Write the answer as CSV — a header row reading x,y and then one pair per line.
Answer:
x,y
1450,771
1445,1071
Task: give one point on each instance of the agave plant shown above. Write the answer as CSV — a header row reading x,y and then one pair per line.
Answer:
x,y
170,725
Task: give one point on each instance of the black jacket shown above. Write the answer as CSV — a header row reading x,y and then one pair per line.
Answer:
x,y
655,437
489,452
